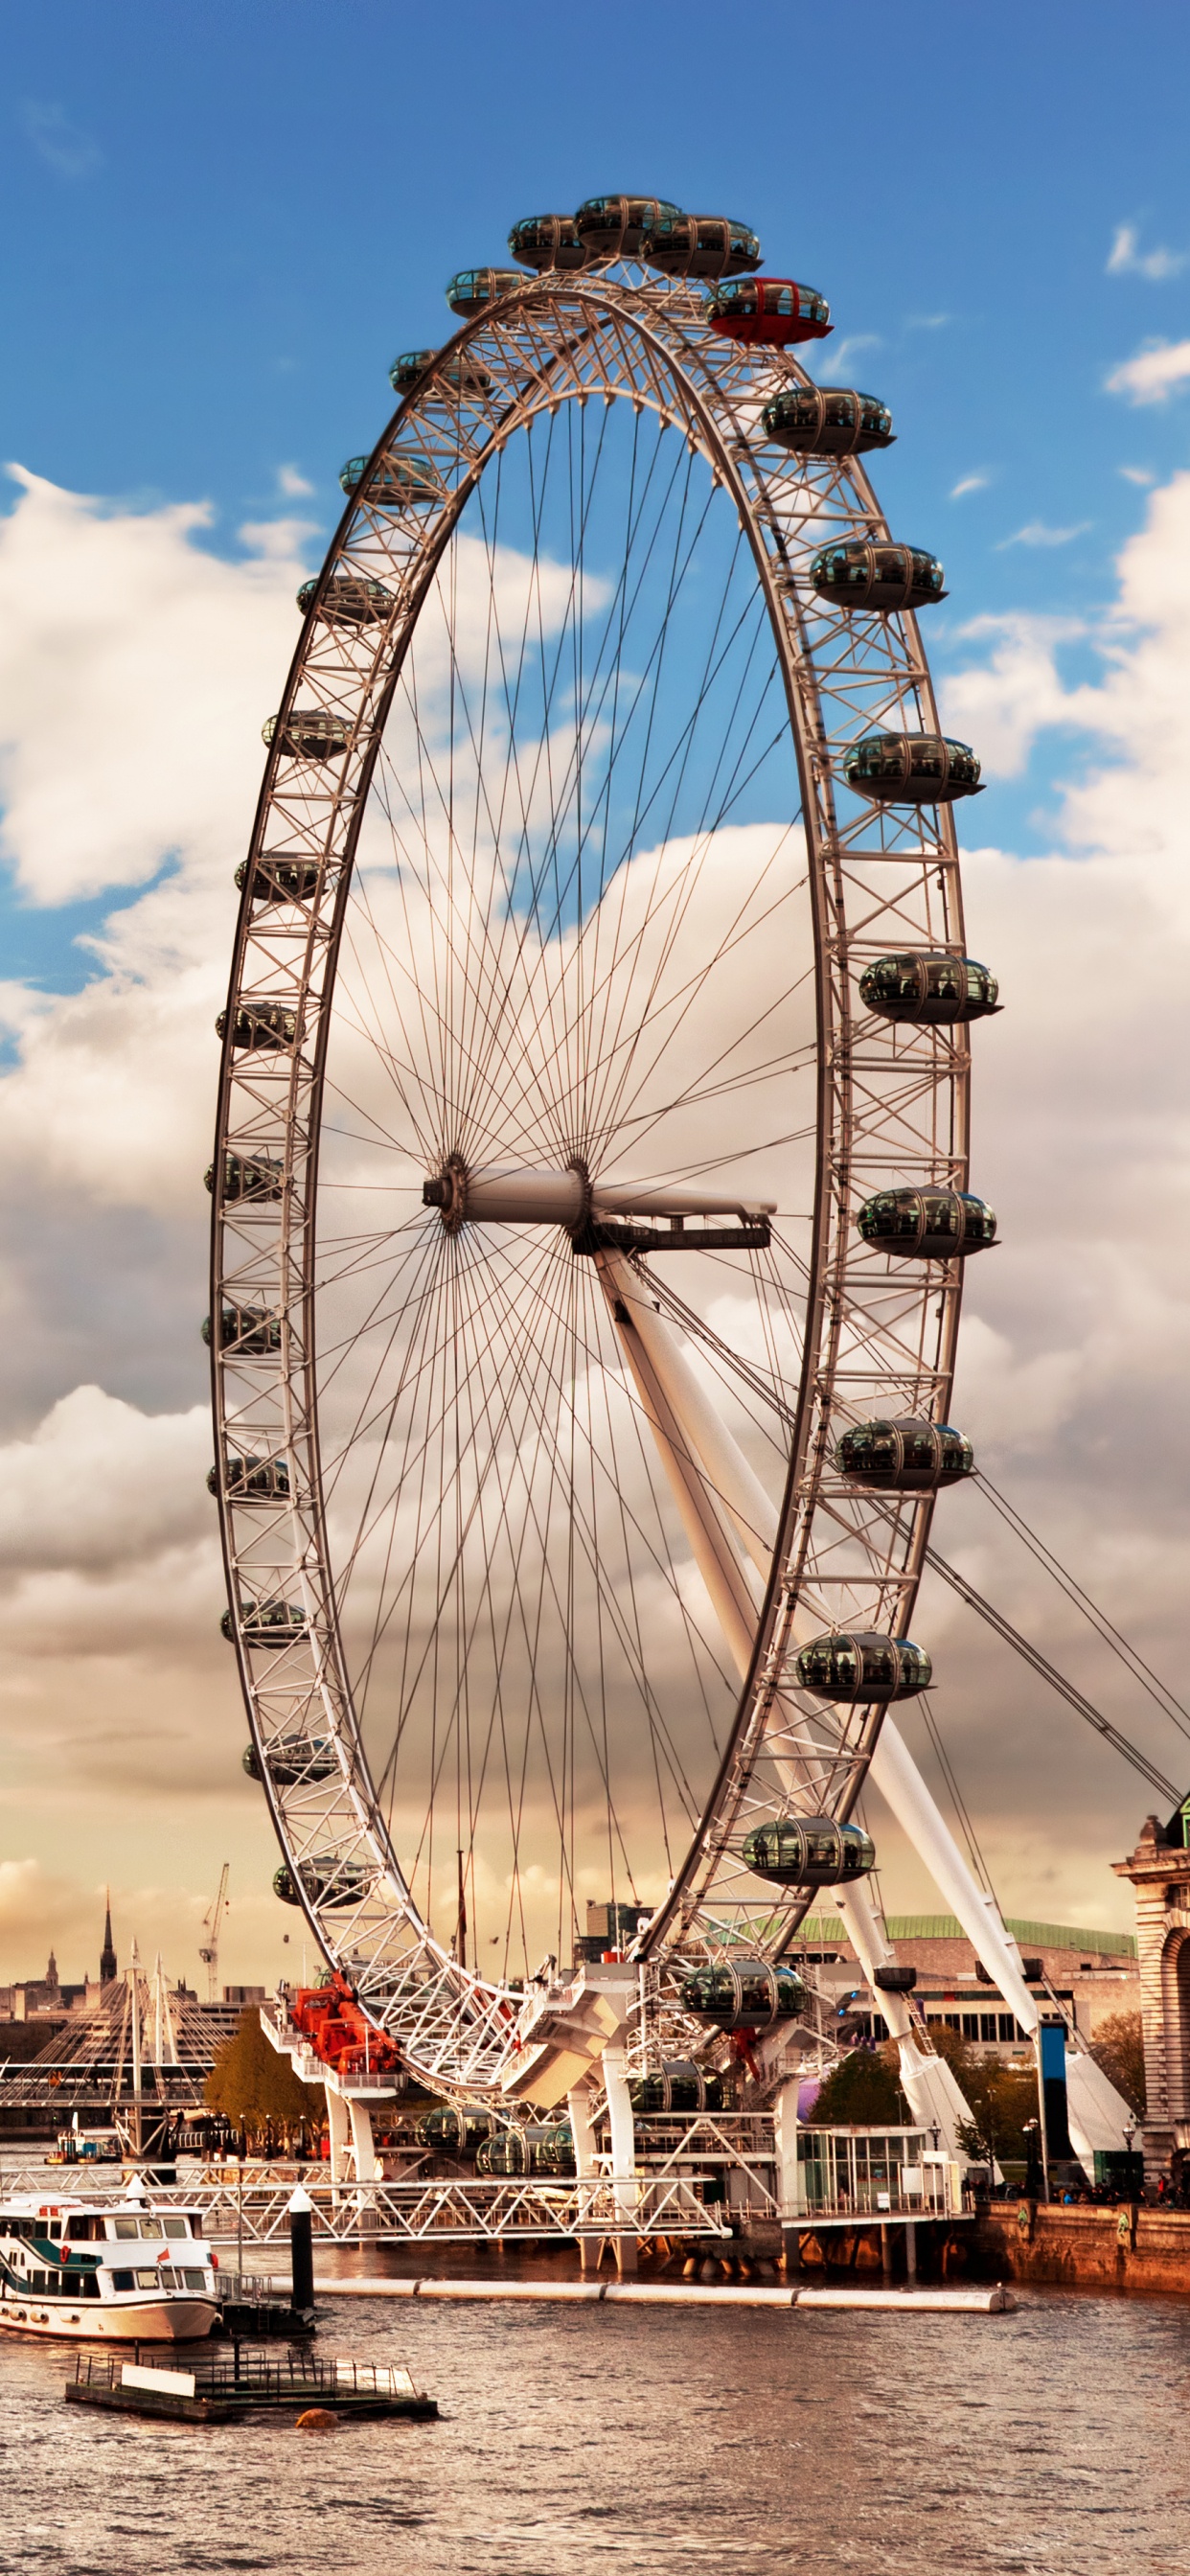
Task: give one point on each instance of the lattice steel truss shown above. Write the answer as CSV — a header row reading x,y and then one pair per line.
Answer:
x,y
891,1107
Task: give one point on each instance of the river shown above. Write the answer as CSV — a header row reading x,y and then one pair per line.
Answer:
x,y
574,2442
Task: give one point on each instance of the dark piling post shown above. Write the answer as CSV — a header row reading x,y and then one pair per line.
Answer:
x,y
301,2251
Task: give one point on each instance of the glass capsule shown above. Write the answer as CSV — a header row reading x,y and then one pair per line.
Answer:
x,y
347,600
256,1176
281,880
863,1667
402,480
769,312
700,246
454,2128
325,1881
911,768
460,372
678,2085
248,1329
616,227
809,1851
261,1026
904,1457
876,574
471,289
292,1759
931,988
548,241
307,733
266,1623
927,1225
252,1480
827,420
748,1994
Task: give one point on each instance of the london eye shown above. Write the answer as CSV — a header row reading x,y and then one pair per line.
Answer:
x,y
591,1198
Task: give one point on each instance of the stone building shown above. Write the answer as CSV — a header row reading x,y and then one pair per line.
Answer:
x,y
1159,1870
1092,1975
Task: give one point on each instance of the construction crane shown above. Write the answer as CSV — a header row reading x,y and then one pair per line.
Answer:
x,y
209,1951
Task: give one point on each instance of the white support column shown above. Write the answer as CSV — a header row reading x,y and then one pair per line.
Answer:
x,y
582,2130
367,2166
339,2128
623,2145
789,2192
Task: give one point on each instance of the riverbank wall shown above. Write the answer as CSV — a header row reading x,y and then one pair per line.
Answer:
x,y
1129,2248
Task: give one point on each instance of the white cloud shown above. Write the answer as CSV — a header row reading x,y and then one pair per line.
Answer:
x,y
1155,374
60,143
1036,533
1000,704
843,351
1140,474
291,485
969,483
1126,256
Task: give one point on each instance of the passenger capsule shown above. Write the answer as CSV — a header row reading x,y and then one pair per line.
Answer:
x,y
405,479
252,1480
904,1457
258,1177
911,768
617,227
261,1026
747,1994
291,1760
307,733
474,288
863,1667
929,988
347,600
809,1851
454,2128
769,312
876,574
827,420
250,1330
678,2085
927,1225
266,1623
281,880
548,241
460,372
324,1881
517,2151
700,246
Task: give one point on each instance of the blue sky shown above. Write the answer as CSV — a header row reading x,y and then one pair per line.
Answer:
x,y
222,223
229,219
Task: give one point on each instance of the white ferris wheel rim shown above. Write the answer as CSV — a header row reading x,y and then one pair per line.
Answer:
x,y
889,1103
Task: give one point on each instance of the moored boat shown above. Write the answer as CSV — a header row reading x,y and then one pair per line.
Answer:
x,y
116,2272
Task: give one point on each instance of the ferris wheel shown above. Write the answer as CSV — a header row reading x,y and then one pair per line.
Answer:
x,y
590,1188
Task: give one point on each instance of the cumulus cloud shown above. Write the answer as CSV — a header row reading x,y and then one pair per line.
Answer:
x,y
119,1705
292,485
1127,258
1155,374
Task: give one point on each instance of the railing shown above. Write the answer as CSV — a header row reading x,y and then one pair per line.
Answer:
x,y
461,2210
301,2374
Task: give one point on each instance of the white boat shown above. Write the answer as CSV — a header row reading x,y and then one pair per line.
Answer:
x,y
114,2271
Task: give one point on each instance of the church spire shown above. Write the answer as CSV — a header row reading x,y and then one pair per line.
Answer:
x,y
107,1956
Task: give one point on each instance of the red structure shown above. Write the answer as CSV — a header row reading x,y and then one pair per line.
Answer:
x,y
340,2032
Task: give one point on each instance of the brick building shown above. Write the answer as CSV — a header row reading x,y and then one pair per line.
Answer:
x,y
1093,1974
1159,1870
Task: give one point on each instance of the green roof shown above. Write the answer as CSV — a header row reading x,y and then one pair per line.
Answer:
x,y
946,1927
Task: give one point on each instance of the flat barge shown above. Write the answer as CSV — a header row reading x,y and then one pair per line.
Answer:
x,y
219,2390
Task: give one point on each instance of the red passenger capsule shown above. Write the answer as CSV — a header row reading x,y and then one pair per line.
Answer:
x,y
769,312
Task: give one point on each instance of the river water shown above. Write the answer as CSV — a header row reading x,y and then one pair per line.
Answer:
x,y
578,2442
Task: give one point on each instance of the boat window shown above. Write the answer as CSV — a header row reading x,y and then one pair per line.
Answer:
x,y
123,2226
194,2280
175,2227
150,2227
123,2280
80,2230
149,2280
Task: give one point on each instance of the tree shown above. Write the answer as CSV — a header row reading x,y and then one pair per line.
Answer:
x,y
1119,2048
251,2082
862,2091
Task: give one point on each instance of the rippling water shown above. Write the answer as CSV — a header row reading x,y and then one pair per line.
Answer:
x,y
574,2441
